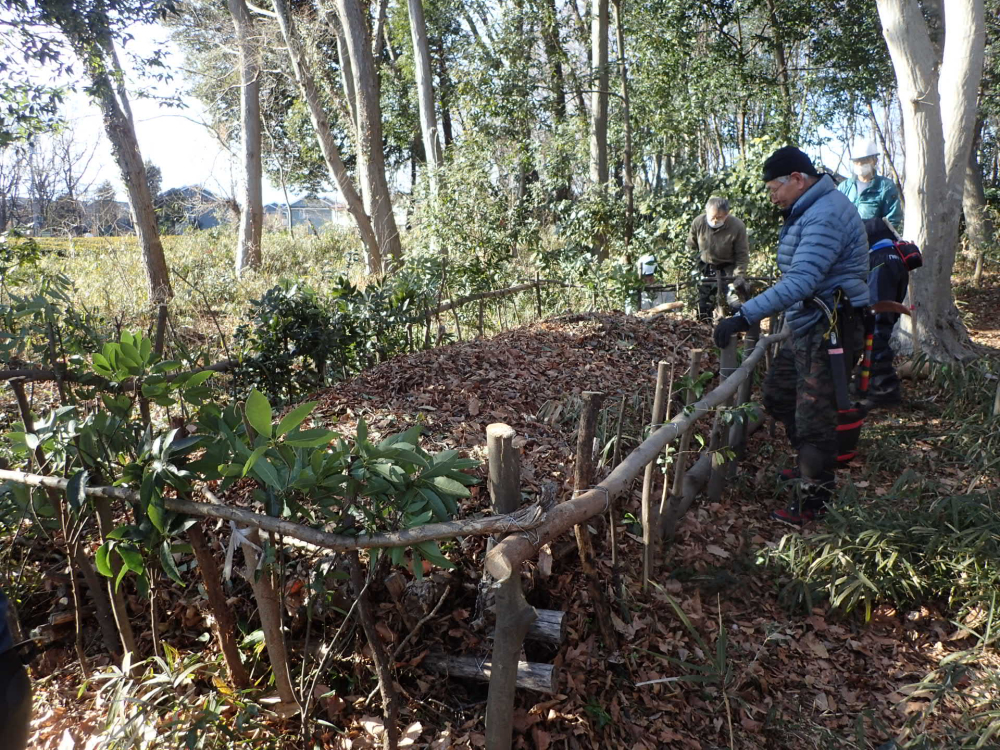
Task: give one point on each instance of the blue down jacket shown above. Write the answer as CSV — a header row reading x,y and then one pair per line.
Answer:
x,y
822,246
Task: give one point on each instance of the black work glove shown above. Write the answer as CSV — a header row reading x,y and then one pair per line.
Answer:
x,y
729,326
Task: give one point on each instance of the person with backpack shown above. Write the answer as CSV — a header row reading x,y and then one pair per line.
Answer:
x,y
823,257
889,265
873,195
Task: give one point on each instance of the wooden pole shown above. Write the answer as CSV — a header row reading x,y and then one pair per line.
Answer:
x,y
680,457
582,477
514,614
538,296
525,519
611,505
718,441
648,513
665,494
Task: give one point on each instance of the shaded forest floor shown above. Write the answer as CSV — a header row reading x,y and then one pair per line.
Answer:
x,y
779,677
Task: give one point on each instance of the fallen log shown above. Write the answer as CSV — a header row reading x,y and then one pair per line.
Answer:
x,y
655,311
549,627
513,550
542,678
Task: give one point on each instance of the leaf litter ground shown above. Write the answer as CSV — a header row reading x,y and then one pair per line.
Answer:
x,y
784,680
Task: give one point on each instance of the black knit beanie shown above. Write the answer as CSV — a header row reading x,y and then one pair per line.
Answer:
x,y
786,160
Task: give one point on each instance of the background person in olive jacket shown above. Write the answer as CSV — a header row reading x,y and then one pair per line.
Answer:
x,y
720,240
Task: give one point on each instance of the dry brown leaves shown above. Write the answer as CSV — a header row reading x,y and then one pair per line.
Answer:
x,y
782,675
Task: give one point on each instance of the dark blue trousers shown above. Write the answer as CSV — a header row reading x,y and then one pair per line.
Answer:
x,y
888,279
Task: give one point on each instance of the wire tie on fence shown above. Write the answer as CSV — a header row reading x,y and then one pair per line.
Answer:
x,y
512,522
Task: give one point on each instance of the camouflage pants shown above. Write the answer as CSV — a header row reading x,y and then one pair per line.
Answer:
x,y
799,391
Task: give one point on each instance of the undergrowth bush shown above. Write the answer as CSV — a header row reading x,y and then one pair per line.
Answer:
x,y
296,340
870,553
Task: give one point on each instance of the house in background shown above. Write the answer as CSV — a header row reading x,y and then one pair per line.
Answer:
x,y
190,207
312,212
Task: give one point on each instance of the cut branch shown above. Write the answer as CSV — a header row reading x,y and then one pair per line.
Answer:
x,y
526,518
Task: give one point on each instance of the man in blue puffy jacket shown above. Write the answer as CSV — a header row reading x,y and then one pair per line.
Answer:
x,y
823,255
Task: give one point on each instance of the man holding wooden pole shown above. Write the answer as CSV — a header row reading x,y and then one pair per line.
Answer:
x,y
823,257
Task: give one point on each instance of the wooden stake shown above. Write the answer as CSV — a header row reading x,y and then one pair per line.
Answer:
x,y
582,478
616,454
538,296
665,494
648,512
718,442
514,614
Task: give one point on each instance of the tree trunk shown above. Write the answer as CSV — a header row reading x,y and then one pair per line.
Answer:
x,y
444,96
937,127
380,658
554,55
248,250
378,32
346,71
269,606
629,181
599,97
225,622
120,129
978,222
321,123
425,91
781,66
371,160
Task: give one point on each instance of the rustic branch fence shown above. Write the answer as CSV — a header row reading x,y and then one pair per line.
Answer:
x,y
534,525
517,533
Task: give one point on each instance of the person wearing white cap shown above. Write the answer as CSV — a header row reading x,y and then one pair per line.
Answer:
x,y
874,196
651,294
